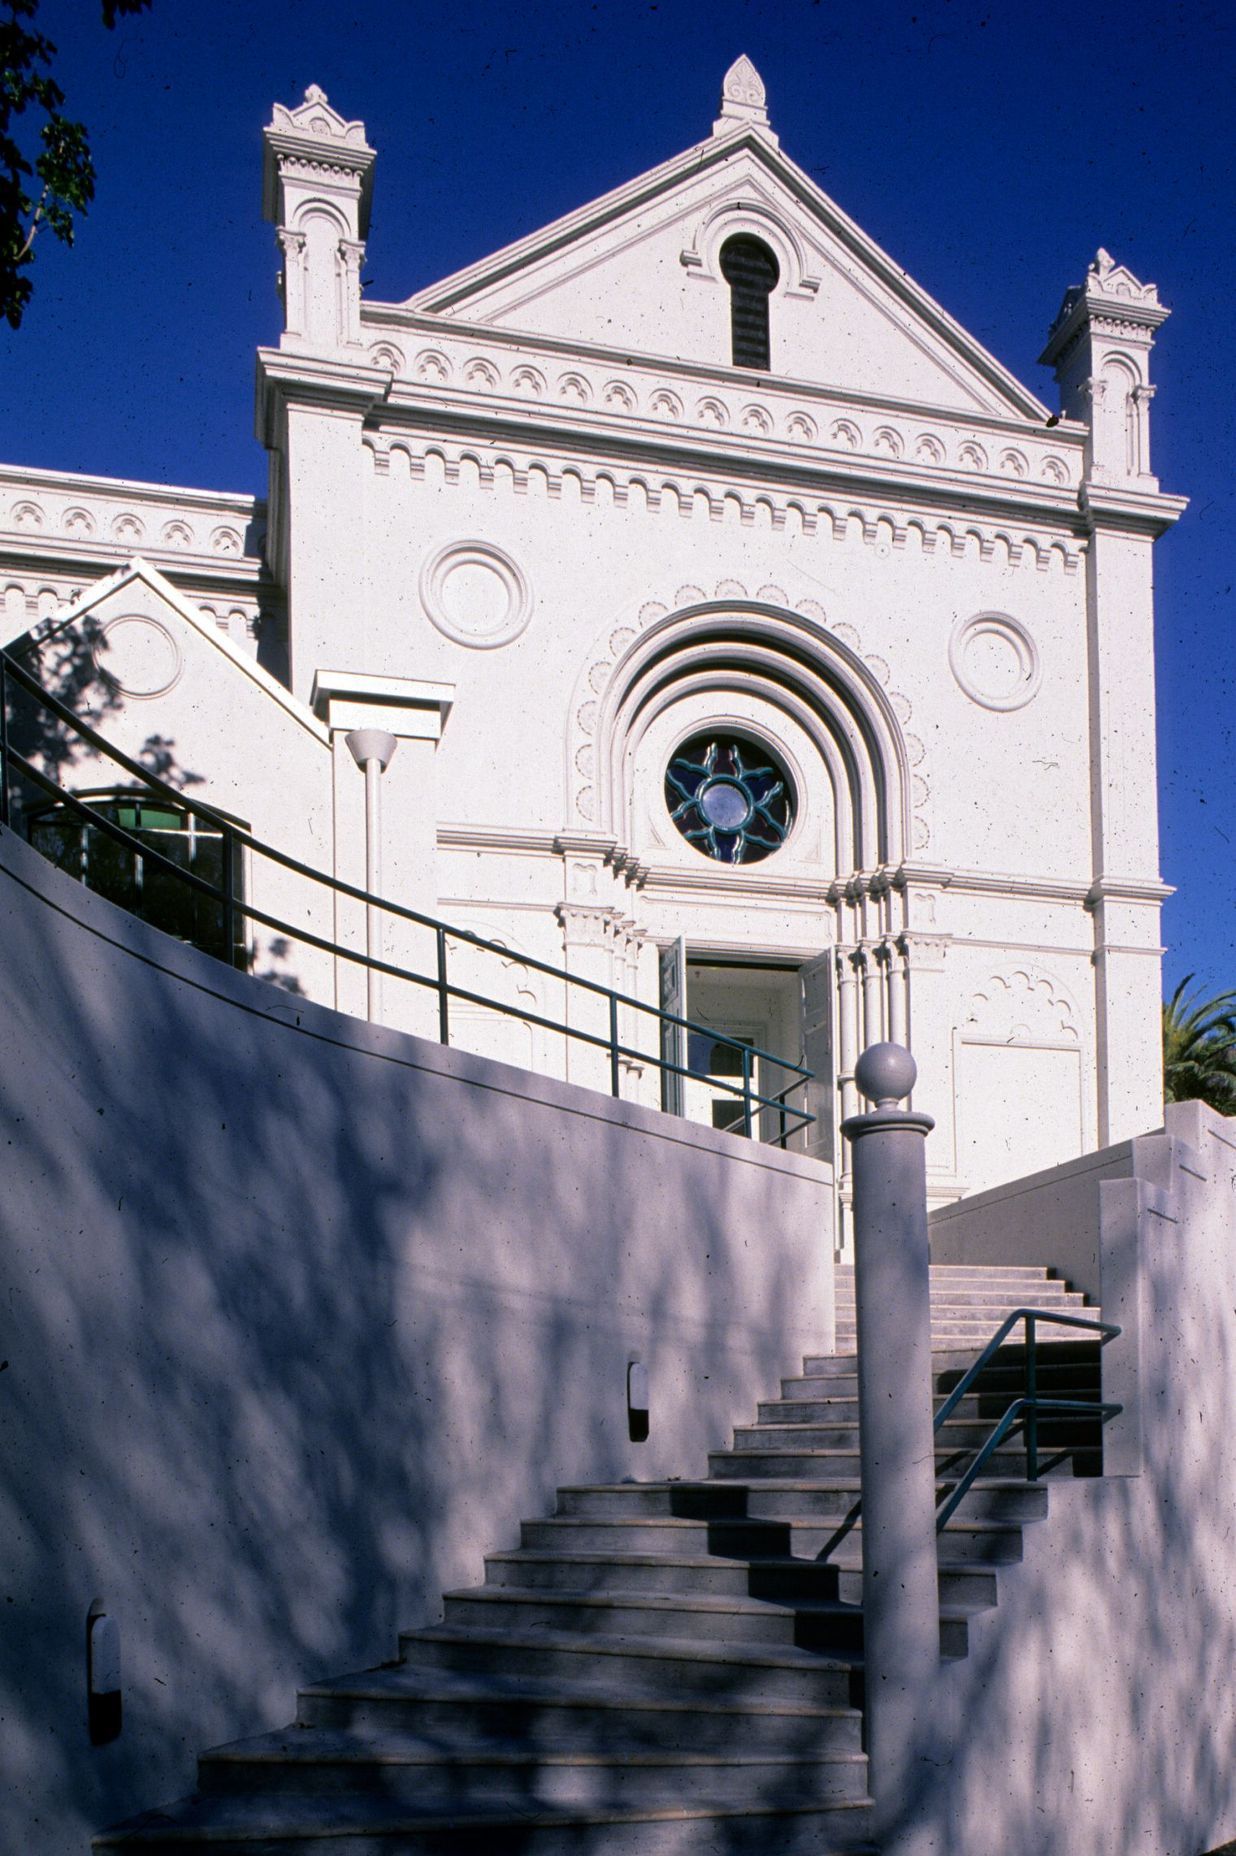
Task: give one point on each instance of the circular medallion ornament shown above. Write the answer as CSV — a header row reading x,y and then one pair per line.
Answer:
x,y
729,798
995,661
138,656
475,594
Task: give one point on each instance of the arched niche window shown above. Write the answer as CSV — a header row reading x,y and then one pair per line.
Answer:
x,y
752,272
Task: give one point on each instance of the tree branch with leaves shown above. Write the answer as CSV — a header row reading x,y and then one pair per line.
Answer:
x,y
47,176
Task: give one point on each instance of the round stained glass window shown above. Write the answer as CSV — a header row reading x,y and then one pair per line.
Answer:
x,y
729,798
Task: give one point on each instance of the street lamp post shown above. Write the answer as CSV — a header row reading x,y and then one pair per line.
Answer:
x,y
373,750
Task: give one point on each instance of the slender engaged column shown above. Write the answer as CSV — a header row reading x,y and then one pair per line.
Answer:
x,y
897,1013
373,750
901,1610
848,1021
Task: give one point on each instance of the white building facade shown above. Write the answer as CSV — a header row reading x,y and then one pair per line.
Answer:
x,y
748,635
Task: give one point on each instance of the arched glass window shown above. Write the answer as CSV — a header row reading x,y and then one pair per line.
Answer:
x,y
119,872
751,271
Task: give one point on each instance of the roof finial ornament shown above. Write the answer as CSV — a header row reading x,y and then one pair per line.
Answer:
x,y
315,94
743,98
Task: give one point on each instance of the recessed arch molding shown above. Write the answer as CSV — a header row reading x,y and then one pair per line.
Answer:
x,y
796,663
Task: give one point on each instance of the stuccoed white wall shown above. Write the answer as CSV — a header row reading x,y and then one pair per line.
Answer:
x,y
61,531
230,735
594,571
594,566
591,571
305,1317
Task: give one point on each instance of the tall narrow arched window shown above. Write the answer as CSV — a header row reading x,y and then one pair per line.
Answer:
x,y
751,271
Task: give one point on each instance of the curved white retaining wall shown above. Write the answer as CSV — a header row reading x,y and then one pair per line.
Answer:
x,y
301,1315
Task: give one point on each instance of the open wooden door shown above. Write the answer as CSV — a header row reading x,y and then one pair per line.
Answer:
x,y
674,1037
816,979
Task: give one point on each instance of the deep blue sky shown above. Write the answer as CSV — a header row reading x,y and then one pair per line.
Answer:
x,y
989,149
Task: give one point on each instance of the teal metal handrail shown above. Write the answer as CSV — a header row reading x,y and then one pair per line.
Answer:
x,y
1023,1414
787,1118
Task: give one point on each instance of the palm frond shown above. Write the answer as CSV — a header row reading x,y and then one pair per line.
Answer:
x,y
1199,1048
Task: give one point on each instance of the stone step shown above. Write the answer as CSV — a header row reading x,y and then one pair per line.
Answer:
x,y
686,1616
828,1626
956,1433
819,1498
992,1395
946,1351
824,1464
658,1666
1010,1500
406,1769
952,1324
785,1581
1055,1296
373,1826
555,1714
690,1500
738,1537
985,1405
981,1329
1004,1375
989,1543
1018,1277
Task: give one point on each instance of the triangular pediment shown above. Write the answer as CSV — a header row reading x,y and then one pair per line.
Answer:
x,y
163,686
637,271
130,638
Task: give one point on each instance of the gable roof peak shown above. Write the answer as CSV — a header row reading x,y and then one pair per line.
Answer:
x,y
743,101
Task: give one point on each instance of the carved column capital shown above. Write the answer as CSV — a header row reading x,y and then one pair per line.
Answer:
x,y
584,925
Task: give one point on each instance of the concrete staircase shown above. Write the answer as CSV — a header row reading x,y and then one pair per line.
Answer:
x,y
658,1669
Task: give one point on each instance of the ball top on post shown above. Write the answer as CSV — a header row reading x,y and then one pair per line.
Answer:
x,y
885,1074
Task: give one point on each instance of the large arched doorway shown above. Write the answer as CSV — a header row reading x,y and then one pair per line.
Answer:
x,y
752,768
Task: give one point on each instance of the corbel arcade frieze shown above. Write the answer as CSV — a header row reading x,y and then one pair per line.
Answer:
x,y
719,500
